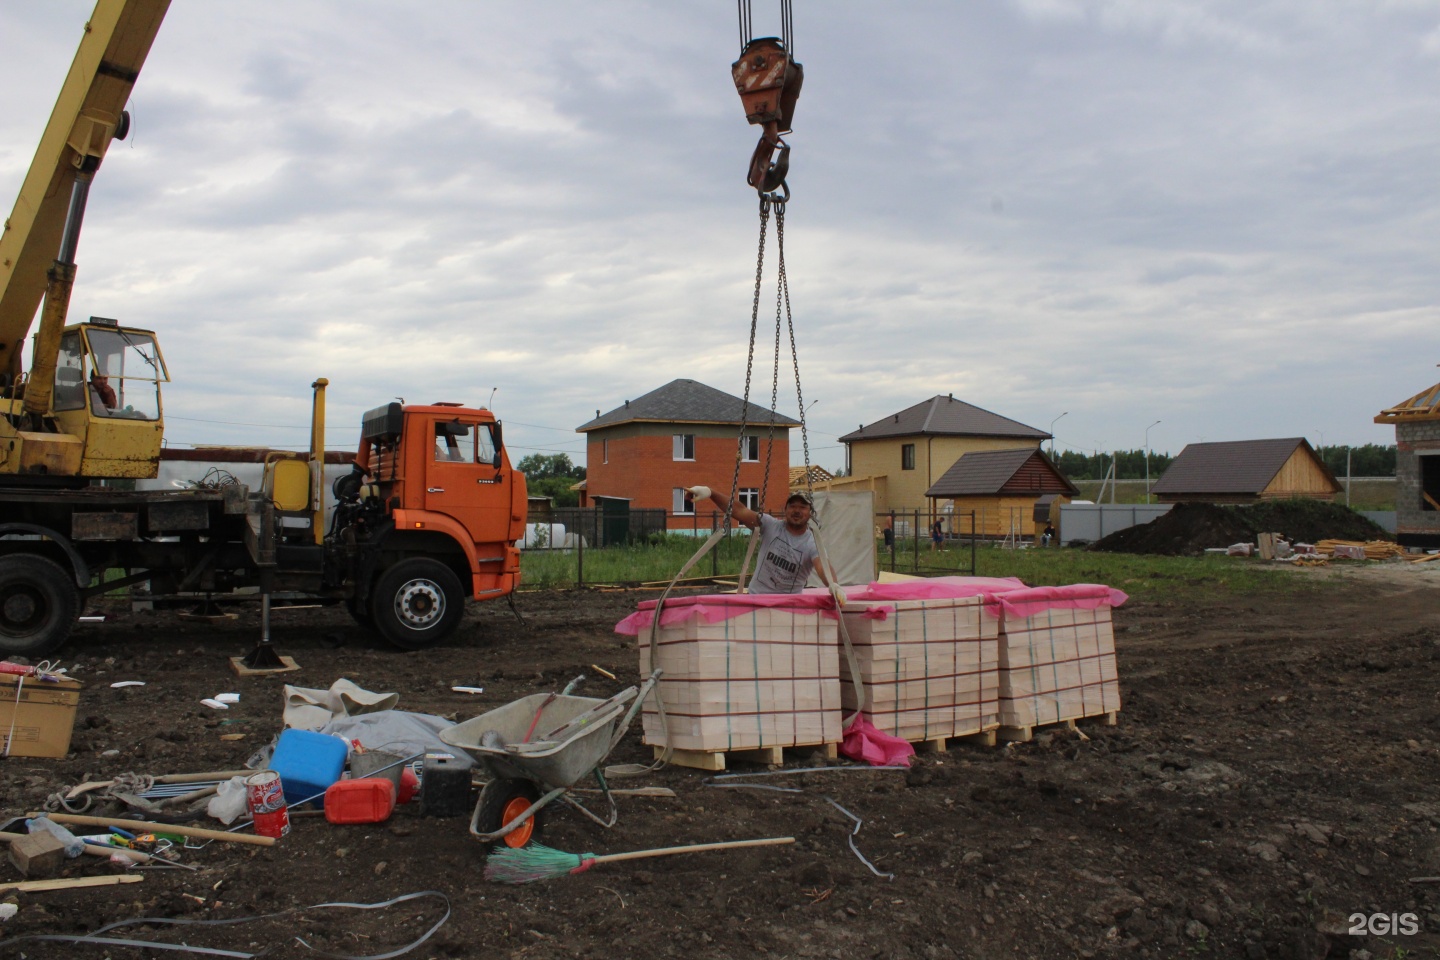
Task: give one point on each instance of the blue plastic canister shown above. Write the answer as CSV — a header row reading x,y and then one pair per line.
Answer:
x,y
308,763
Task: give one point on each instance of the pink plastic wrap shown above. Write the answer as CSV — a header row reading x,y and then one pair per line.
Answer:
x,y
864,742
1007,592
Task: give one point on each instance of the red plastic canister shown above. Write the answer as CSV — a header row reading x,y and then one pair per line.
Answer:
x,y
367,800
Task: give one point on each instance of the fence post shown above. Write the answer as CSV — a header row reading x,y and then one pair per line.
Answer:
x,y
892,541
714,554
972,543
915,530
580,554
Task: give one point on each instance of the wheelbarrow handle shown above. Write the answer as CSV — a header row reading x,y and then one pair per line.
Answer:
x,y
646,689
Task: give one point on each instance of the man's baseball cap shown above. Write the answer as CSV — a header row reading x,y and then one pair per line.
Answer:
x,y
802,496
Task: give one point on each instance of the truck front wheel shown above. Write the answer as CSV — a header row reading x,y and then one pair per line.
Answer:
x,y
38,605
417,603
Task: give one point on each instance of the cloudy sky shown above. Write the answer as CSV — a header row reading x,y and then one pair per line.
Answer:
x,y
1221,215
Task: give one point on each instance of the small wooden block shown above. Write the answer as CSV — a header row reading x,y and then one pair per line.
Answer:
x,y
38,854
239,667
937,745
1022,734
695,759
771,756
986,738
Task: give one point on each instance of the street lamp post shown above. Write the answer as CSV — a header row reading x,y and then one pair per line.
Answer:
x,y
1051,431
1147,462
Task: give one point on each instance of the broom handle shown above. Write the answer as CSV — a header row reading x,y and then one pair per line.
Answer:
x,y
693,848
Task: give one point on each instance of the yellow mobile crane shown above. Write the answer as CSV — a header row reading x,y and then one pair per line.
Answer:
x,y
89,406
428,518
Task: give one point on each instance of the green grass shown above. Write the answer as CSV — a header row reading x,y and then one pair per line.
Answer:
x,y
1143,577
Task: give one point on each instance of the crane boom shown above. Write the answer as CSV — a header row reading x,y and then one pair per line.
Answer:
x,y
87,116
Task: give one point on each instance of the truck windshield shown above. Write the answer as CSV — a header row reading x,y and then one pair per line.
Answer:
x,y
125,375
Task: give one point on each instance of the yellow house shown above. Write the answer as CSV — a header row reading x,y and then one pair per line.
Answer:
x,y
903,455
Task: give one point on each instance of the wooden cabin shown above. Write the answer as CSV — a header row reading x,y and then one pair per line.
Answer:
x,y
1417,468
1247,471
1002,488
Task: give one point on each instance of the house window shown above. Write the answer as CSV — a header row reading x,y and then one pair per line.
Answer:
x,y
683,447
680,502
1430,483
907,456
604,451
750,497
750,449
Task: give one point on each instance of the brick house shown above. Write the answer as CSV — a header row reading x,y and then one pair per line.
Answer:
x,y
1417,468
900,457
649,449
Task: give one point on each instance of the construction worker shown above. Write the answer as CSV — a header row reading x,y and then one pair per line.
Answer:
x,y
103,393
787,548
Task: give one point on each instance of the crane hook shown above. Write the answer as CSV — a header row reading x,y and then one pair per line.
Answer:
x,y
768,80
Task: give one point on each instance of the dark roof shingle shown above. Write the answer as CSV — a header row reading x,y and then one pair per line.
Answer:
x,y
945,416
987,472
1230,466
686,401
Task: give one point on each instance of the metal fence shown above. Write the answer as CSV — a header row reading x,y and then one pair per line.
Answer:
x,y
902,544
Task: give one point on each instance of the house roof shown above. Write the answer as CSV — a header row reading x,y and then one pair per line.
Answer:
x,y
1425,405
817,475
1232,466
686,401
988,472
945,417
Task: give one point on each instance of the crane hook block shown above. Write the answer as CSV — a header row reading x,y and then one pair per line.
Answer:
x,y
768,80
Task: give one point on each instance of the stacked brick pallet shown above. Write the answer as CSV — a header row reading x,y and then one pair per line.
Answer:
x,y
1057,664
747,674
930,667
739,677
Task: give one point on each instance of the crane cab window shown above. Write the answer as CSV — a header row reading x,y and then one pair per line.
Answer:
x,y
122,378
457,442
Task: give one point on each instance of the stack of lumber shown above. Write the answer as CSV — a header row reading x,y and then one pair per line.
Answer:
x,y
1424,558
930,667
1373,549
1057,665
759,677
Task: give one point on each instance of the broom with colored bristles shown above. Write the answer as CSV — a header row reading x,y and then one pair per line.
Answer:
x,y
538,862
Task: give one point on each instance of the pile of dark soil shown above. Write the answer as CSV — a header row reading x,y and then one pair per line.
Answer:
x,y
1185,531
1306,521
1190,528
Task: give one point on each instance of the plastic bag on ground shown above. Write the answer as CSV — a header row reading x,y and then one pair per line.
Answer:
x,y
74,846
864,742
229,803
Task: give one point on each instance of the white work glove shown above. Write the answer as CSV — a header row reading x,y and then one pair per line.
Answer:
x,y
838,593
698,493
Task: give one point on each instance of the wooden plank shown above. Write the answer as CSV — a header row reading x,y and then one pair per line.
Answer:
x,y
1024,734
715,760
36,886
149,826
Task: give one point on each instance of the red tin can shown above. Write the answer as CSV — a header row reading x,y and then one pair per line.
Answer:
x,y
266,797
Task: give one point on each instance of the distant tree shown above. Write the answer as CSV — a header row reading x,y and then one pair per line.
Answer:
x,y
1369,460
552,475
543,466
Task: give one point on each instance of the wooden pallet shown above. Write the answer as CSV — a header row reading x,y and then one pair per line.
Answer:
x,y
1027,733
716,759
982,738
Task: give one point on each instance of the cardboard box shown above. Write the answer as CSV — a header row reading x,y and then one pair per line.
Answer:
x,y
37,716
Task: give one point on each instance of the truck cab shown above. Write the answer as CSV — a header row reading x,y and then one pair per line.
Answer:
x,y
431,515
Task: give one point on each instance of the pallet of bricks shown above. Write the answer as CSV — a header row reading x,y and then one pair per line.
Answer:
x,y
1057,657
743,676
930,666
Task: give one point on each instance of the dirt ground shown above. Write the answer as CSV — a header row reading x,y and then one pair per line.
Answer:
x,y
1272,775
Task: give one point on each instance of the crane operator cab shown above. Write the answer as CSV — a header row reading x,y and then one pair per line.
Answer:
x,y
107,393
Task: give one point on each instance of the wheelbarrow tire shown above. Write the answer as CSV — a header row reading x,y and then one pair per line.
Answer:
x,y
500,801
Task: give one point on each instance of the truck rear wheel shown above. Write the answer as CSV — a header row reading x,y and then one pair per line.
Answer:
x,y
38,605
417,603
